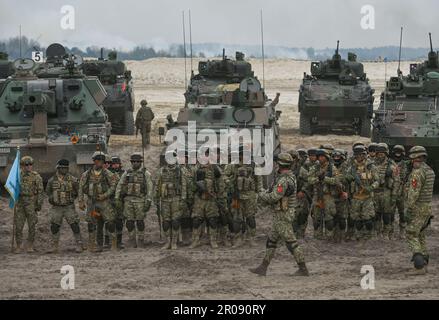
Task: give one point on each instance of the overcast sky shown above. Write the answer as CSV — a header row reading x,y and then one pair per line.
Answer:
x,y
123,24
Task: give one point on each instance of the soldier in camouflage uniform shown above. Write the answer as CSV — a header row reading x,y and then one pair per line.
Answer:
x,y
363,179
187,172
341,202
404,168
134,192
118,171
224,193
96,186
143,122
371,151
326,183
386,194
170,192
312,159
303,156
29,203
245,187
419,193
62,190
205,207
303,195
283,201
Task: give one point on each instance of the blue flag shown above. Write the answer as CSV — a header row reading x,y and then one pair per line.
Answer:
x,y
13,183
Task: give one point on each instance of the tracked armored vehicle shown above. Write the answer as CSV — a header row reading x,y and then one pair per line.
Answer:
x,y
117,81
225,94
336,96
51,118
408,113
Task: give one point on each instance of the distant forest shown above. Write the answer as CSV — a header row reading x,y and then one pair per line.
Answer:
x,y
12,47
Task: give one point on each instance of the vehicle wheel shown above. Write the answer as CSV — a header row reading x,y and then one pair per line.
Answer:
x,y
305,125
365,127
128,123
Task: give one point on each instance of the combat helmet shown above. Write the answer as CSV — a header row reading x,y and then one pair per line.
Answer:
x,y
26,160
116,159
98,155
284,159
143,102
62,163
398,149
323,152
417,151
136,156
360,149
294,154
382,148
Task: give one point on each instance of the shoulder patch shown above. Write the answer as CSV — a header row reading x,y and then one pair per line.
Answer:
x,y
414,183
280,188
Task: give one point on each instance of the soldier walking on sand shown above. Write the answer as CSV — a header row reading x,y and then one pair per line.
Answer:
x,y
143,122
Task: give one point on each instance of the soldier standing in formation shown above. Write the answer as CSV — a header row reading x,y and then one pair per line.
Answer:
x,y
187,172
170,194
341,202
96,186
419,193
398,155
134,194
118,171
62,190
283,200
386,194
29,203
143,122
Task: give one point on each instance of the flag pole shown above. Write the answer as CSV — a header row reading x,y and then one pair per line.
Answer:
x,y
13,229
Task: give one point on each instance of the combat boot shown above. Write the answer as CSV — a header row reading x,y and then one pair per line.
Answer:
x,y
91,241
106,241
417,272
141,241
195,237
237,240
168,242
261,269
18,248
30,247
174,240
212,238
78,240
55,246
303,270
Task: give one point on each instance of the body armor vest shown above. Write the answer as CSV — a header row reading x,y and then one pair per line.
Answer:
x,y
63,191
135,184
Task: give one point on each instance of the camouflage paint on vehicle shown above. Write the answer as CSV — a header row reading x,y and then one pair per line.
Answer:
x,y
336,96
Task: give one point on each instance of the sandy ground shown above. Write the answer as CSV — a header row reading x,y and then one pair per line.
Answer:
x,y
216,274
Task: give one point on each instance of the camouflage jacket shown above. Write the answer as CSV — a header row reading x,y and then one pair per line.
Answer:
x,y
31,188
326,180
188,172
96,183
283,195
243,182
362,179
135,184
404,167
419,186
62,190
170,182
388,176
143,116
207,179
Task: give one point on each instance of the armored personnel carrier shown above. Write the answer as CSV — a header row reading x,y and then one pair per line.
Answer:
x,y
117,81
6,68
336,96
225,94
51,118
408,113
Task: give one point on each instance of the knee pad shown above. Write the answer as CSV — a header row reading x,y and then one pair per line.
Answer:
x,y
54,228
166,225
359,225
140,225
196,222
291,246
75,227
119,225
387,218
418,260
130,225
213,222
426,259
369,224
110,226
329,225
175,224
271,244
91,227
251,222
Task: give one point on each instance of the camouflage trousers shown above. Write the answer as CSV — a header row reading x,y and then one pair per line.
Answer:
x,y
400,208
327,220
186,214
56,216
417,220
243,214
204,209
340,219
301,220
282,232
25,212
146,136
171,214
104,216
363,214
133,208
384,212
